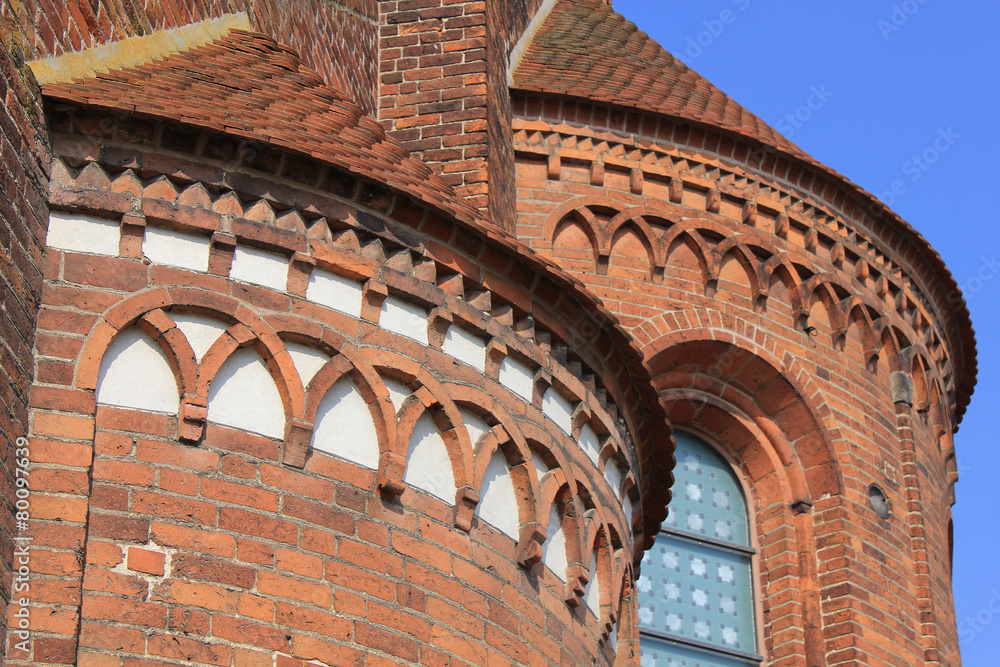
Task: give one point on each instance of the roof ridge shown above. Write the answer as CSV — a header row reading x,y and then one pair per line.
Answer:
x,y
581,43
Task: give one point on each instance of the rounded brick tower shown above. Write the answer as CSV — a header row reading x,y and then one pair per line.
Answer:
x,y
372,339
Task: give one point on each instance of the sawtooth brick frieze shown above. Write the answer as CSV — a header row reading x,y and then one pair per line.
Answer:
x,y
365,333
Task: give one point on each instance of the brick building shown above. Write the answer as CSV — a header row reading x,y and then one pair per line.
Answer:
x,y
375,332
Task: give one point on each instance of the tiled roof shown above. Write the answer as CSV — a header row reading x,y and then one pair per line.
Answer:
x,y
585,49
246,84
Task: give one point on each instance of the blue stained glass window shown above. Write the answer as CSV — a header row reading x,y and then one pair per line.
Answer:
x,y
696,583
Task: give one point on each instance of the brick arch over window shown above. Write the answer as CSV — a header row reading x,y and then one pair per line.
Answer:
x,y
736,394
749,377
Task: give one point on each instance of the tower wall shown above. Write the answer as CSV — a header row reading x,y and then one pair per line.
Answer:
x,y
785,322
444,92
234,464
24,152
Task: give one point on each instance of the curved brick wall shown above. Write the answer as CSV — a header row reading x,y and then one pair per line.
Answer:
x,y
786,331
286,428
312,387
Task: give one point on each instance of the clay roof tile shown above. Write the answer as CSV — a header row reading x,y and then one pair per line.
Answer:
x,y
248,85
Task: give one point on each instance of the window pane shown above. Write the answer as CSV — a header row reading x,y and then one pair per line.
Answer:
x,y
660,653
707,499
698,592
694,586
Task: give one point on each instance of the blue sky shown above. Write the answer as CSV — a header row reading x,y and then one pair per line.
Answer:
x,y
888,81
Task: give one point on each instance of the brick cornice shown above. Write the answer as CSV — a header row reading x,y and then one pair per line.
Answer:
x,y
790,191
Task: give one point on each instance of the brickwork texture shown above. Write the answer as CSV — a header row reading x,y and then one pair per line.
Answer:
x,y
359,338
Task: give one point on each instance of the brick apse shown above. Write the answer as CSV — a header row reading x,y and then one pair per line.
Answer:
x,y
366,333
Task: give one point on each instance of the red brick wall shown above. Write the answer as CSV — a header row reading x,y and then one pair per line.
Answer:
x,y
337,39
152,540
443,92
716,266
23,217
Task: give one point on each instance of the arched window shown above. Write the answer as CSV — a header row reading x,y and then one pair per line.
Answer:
x,y
696,591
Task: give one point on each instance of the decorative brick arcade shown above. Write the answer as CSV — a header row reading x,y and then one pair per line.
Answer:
x,y
356,333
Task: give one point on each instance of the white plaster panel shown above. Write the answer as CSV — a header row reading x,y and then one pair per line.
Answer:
x,y
166,246
475,425
554,546
333,291
428,466
344,426
541,467
404,319
592,592
465,347
590,444
558,409
307,360
260,267
398,392
628,509
83,233
243,395
498,501
613,475
518,378
201,331
135,373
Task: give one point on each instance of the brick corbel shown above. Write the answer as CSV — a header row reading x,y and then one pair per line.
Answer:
x,y
466,500
193,413
391,467
496,352
439,322
676,190
750,213
603,260
133,229
781,226
577,578
541,383
299,270
635,181
760,295
554,167
298,436
372,295
839,335
711,282
529,545
713,200
596,174
220,257
582,415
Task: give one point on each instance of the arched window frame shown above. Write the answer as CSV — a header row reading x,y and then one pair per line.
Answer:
x,y
713,654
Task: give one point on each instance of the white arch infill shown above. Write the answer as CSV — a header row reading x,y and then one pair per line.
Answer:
x,y
498,500
428,466
344,426
243,395
135,374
